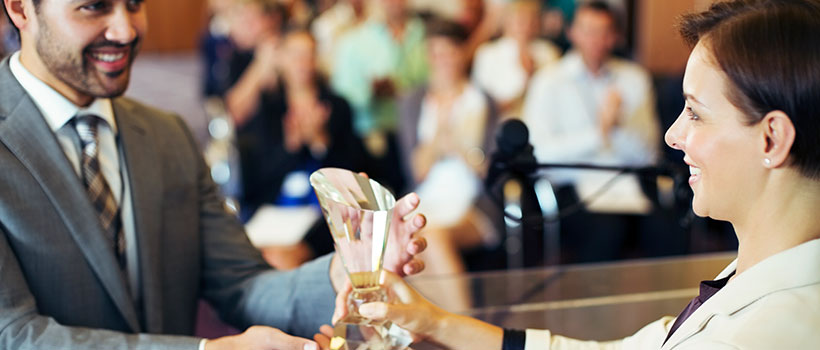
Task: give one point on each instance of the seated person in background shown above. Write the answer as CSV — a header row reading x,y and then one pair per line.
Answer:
x,y
593,108
216,48
503,67
375,64
332,24
298,127
751,134
256,30
443,136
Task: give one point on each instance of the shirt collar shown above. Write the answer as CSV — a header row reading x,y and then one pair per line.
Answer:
x,y
576,67
56,109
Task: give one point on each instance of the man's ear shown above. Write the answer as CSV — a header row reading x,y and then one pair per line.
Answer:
x,y
779,134
17,11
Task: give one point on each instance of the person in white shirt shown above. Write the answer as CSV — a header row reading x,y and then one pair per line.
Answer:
x,y
443,139
594,108
503,67
751,136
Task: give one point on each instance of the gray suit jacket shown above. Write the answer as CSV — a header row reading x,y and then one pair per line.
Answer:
x,y
60,286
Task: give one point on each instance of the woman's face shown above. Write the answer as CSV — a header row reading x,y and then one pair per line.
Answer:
x,y
299,60
445,57
719,148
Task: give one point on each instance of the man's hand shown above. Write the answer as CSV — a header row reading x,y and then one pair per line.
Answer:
x,y
261,338
609,114
403,245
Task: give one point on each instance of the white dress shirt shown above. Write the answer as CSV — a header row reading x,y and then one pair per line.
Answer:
x,y
497,68
58,111
452,185
561,110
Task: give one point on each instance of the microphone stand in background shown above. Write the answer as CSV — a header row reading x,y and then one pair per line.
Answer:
x,y
531,212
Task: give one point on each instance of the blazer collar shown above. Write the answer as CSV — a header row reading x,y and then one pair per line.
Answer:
x,y
142,158
771,275
26,134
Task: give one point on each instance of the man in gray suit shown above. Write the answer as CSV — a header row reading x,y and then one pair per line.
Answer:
x,y
110,227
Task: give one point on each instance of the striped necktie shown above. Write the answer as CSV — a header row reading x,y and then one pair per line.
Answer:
x,y
97,188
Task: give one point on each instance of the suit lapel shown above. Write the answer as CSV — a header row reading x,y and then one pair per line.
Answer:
x,y
26,134
773,274
145,179
697,321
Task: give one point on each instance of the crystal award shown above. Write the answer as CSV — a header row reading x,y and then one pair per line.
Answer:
x,y
358,211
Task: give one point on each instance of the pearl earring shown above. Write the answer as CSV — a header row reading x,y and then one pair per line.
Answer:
x,y
767,161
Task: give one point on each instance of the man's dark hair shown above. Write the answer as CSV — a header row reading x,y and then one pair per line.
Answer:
x,y
605,8
770,52
438,27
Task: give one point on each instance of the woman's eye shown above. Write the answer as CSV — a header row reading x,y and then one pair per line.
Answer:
x,y
691,114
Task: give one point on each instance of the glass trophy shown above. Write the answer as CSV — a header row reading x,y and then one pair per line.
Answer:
x,y
358,211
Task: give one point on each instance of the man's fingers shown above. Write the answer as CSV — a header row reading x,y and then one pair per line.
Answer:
x,y
341,303
324,336
263,336
416,246
414,224
408,204
326,330
413,267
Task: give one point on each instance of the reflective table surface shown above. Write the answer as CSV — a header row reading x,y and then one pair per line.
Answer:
x,y
591,301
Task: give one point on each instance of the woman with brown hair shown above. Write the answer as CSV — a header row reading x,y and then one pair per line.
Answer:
x,y
750,133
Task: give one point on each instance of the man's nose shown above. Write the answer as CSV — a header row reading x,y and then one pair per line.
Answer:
x,y
121,27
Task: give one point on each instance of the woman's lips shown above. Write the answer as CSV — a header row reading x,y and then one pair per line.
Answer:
x,y
694,174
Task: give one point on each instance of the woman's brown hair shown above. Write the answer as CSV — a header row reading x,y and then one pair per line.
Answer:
x,y
770,51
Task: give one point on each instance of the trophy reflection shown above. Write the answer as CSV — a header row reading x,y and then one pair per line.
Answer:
x,y
358,211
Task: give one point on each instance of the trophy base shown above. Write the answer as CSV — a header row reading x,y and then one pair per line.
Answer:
x,y
386,336
359,297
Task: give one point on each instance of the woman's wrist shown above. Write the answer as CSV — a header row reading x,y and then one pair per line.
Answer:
x,y
462,332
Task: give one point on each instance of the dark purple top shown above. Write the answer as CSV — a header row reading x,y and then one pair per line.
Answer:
x,y
707,290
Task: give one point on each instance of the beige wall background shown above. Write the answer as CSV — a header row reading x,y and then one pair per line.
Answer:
x,y
658,46
176,25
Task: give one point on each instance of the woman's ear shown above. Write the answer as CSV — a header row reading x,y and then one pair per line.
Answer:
x,y
779,134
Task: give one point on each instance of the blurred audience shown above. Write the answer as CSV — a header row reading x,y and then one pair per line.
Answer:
x,y
256,30
594,108
504,66
299,13
443,134
217,49
375,63
298,127
554,19
415,121
332,24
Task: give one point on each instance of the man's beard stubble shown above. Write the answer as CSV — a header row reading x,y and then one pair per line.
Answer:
x,y
74,69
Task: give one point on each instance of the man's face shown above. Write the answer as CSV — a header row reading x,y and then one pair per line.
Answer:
x,y
86,47
593,35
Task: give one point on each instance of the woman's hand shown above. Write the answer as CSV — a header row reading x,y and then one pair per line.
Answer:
x,y
426,321
408,309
